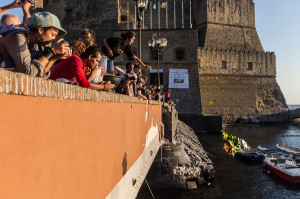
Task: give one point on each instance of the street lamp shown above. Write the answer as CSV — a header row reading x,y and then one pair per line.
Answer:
x,y
141,7
158,43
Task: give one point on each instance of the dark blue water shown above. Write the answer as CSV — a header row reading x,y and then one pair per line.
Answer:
x,y
235,179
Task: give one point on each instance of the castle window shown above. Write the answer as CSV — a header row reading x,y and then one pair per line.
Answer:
x,y
180,55
250,66
224,65
123,18
69,12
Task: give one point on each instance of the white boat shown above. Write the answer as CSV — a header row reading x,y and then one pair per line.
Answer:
x,y
287,169
289,149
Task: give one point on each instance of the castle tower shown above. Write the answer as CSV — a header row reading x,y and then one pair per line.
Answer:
x,y
237,78
227,24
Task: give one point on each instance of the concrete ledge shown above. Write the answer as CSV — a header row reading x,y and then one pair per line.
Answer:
x,y
21,84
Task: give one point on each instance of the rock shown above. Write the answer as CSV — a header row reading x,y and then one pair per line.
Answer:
x,y
191,185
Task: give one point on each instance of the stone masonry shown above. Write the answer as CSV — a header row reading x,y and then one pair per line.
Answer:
x,y
219,46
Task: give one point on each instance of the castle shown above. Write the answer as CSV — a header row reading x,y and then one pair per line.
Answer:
x,y
214,43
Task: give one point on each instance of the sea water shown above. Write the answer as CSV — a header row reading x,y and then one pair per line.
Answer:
x,y
235,179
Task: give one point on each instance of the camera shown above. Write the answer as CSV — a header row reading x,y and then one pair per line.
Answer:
x,y
30,1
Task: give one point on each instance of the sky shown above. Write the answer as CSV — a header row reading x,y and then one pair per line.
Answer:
x,y
279,31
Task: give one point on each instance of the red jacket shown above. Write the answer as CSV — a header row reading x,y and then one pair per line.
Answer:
x,y
71,69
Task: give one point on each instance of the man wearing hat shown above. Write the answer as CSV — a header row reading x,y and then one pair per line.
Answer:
x,y
29,48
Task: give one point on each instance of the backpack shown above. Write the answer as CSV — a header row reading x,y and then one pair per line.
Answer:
x,y
5,30
8,29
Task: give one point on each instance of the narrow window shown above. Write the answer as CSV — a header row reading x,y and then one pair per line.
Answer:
x,y
250,66
69,12
180,55
224,65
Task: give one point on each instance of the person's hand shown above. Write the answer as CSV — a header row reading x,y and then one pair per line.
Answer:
x,y
110,53
108,86
148,68
58,47
16,4
25,5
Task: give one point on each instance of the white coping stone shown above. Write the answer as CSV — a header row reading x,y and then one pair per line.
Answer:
x,y
139,170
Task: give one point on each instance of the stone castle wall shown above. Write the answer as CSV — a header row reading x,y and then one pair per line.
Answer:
x,y
225,12
210,62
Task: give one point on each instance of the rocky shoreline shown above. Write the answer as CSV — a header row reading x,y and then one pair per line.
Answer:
x,y
182,163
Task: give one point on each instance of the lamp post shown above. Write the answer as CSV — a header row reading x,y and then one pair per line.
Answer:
x,y
141,7
158,43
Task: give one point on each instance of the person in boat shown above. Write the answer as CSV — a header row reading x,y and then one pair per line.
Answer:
x,y
28,48
115,46
73,69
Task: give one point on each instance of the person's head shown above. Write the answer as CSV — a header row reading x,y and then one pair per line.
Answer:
x,y
45,25
78,47
92,55
169,90
129,67
137,69
88,37
128,37
10,19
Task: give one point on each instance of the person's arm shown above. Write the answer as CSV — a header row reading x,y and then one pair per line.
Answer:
x,y
145,80
134,88
119,70
136,59
102,87
110,52
92,74
14,4
25,7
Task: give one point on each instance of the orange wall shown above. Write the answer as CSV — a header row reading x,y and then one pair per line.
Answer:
x,y
54,148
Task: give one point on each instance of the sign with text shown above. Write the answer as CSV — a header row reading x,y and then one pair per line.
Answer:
x,y
178,78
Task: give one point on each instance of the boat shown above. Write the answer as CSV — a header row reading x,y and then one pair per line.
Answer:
x,y
287,169
251,155
268,150
289,149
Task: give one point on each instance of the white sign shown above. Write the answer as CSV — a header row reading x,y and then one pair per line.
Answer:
x,y
178,78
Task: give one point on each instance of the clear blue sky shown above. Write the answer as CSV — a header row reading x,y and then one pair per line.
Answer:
x,y
278,28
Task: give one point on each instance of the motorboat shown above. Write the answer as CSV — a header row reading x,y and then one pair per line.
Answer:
x,y
289,149
287,169
250,155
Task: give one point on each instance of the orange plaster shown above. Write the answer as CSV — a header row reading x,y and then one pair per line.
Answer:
x,y
53,148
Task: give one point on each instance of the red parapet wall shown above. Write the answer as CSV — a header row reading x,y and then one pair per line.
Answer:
x,y
63,141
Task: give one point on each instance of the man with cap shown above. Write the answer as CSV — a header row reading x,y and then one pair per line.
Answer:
x,y
29,48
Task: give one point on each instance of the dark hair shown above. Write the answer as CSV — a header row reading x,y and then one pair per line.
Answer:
x,y
137,66
129,64
92,50
35,30
128,35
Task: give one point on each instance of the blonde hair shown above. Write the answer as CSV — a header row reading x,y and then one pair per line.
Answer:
x,y
88,37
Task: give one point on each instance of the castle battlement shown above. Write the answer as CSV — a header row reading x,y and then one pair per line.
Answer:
x,y
236,62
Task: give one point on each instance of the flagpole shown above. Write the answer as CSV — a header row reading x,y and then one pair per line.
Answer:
x,y
191,25
158,5
167,20
134,17
150,15
182,14
174,14
127,15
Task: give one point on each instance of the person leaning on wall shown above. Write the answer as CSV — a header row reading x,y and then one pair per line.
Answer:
x,y
73,69
23,44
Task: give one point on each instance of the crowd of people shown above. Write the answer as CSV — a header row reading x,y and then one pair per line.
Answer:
x,y
32,47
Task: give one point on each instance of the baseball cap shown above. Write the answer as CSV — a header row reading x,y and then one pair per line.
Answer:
x,y
45,20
